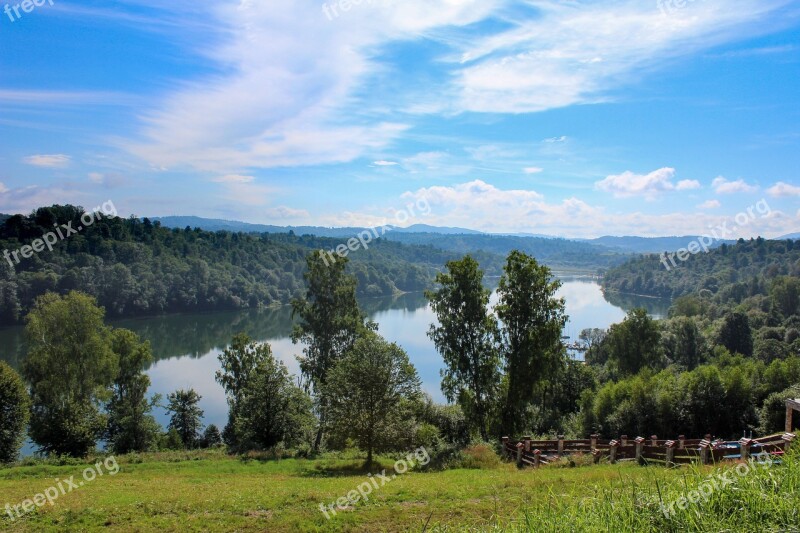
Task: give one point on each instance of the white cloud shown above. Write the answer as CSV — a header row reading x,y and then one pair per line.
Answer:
x,y
783,190
629,184
710,204
107,180
48,161
282,212
234,178
383,163
723,186
575,53
3,188
533,170
687,185
553,140
482,206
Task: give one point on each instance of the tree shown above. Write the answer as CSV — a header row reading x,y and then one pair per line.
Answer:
x,y
186,416
635,343
371,390
211,437
533,319
466,339
785,295
330,321
273,409
14,413
592,336
131,427
684,343
239,363
70,367
736,335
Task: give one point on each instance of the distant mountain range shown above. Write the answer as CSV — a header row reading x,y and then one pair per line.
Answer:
x,y
792,236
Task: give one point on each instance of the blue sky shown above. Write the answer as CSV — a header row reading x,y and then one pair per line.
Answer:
x,y
571,118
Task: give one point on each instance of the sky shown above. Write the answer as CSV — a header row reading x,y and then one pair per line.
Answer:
x,y
570,118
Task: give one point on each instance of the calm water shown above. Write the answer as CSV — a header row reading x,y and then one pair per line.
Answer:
x,y
186,346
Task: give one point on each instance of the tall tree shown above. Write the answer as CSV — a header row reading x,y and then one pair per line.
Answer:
x,y
186,416
736,335
466,339
330,321
238,364
70,367
131,426
371,390
533,319
273,409
635,343
14,413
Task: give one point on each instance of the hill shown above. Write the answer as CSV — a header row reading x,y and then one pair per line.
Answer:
x,y
648,245
137,267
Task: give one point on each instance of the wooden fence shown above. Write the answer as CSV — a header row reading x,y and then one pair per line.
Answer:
x,y
536,453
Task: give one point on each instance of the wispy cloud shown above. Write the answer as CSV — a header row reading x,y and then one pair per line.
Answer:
x,y
783,190
722,186
48,161
649,186
710,204
532,170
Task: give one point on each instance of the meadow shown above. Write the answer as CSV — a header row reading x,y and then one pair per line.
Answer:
x,y
211,491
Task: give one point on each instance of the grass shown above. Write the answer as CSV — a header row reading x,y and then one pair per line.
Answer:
x,y
210,491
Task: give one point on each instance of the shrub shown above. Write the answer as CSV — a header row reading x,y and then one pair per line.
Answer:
x,y
14,413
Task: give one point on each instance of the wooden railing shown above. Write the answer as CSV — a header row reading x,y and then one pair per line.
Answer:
x,y
536,453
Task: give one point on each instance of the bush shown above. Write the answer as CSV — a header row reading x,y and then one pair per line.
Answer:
x,y
14,413
480,457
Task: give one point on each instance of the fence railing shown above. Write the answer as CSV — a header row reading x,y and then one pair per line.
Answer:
x,y
529,452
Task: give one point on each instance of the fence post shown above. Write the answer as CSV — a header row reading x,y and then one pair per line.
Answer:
x,y
506,452
639,449
527,441
653,440
670,453
623,440
519,454
561,445
787,439
681,442
593,441
537,457
612,451
705,446
745,444
596,455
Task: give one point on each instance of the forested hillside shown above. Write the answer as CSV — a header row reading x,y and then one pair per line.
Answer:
x,y
555,253
731,272
136,267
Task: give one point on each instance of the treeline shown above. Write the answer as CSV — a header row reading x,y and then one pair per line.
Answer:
x,y
135,267
727,274
549,251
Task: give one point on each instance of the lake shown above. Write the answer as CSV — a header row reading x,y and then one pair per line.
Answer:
x,y
186,346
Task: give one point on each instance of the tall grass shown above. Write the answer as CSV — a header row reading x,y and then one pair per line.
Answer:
x,y
765,499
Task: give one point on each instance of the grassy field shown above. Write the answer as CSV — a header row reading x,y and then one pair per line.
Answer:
x,y
209,491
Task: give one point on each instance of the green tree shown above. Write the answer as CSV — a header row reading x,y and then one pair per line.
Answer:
x,y
239,363
684,342
735,334
273,409
785,295
131,427
635,343
330,321
186,416
70,367
466,338
212,437
533,320
14,413
371,391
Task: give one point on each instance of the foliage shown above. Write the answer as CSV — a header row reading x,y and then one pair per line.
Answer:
x,y
70,367
371,390
533,319
735,334
212,437
466,339
14,413
273,410
131,427
186,417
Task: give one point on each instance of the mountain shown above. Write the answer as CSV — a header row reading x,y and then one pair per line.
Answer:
x,y
649,245
213,224
791,236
